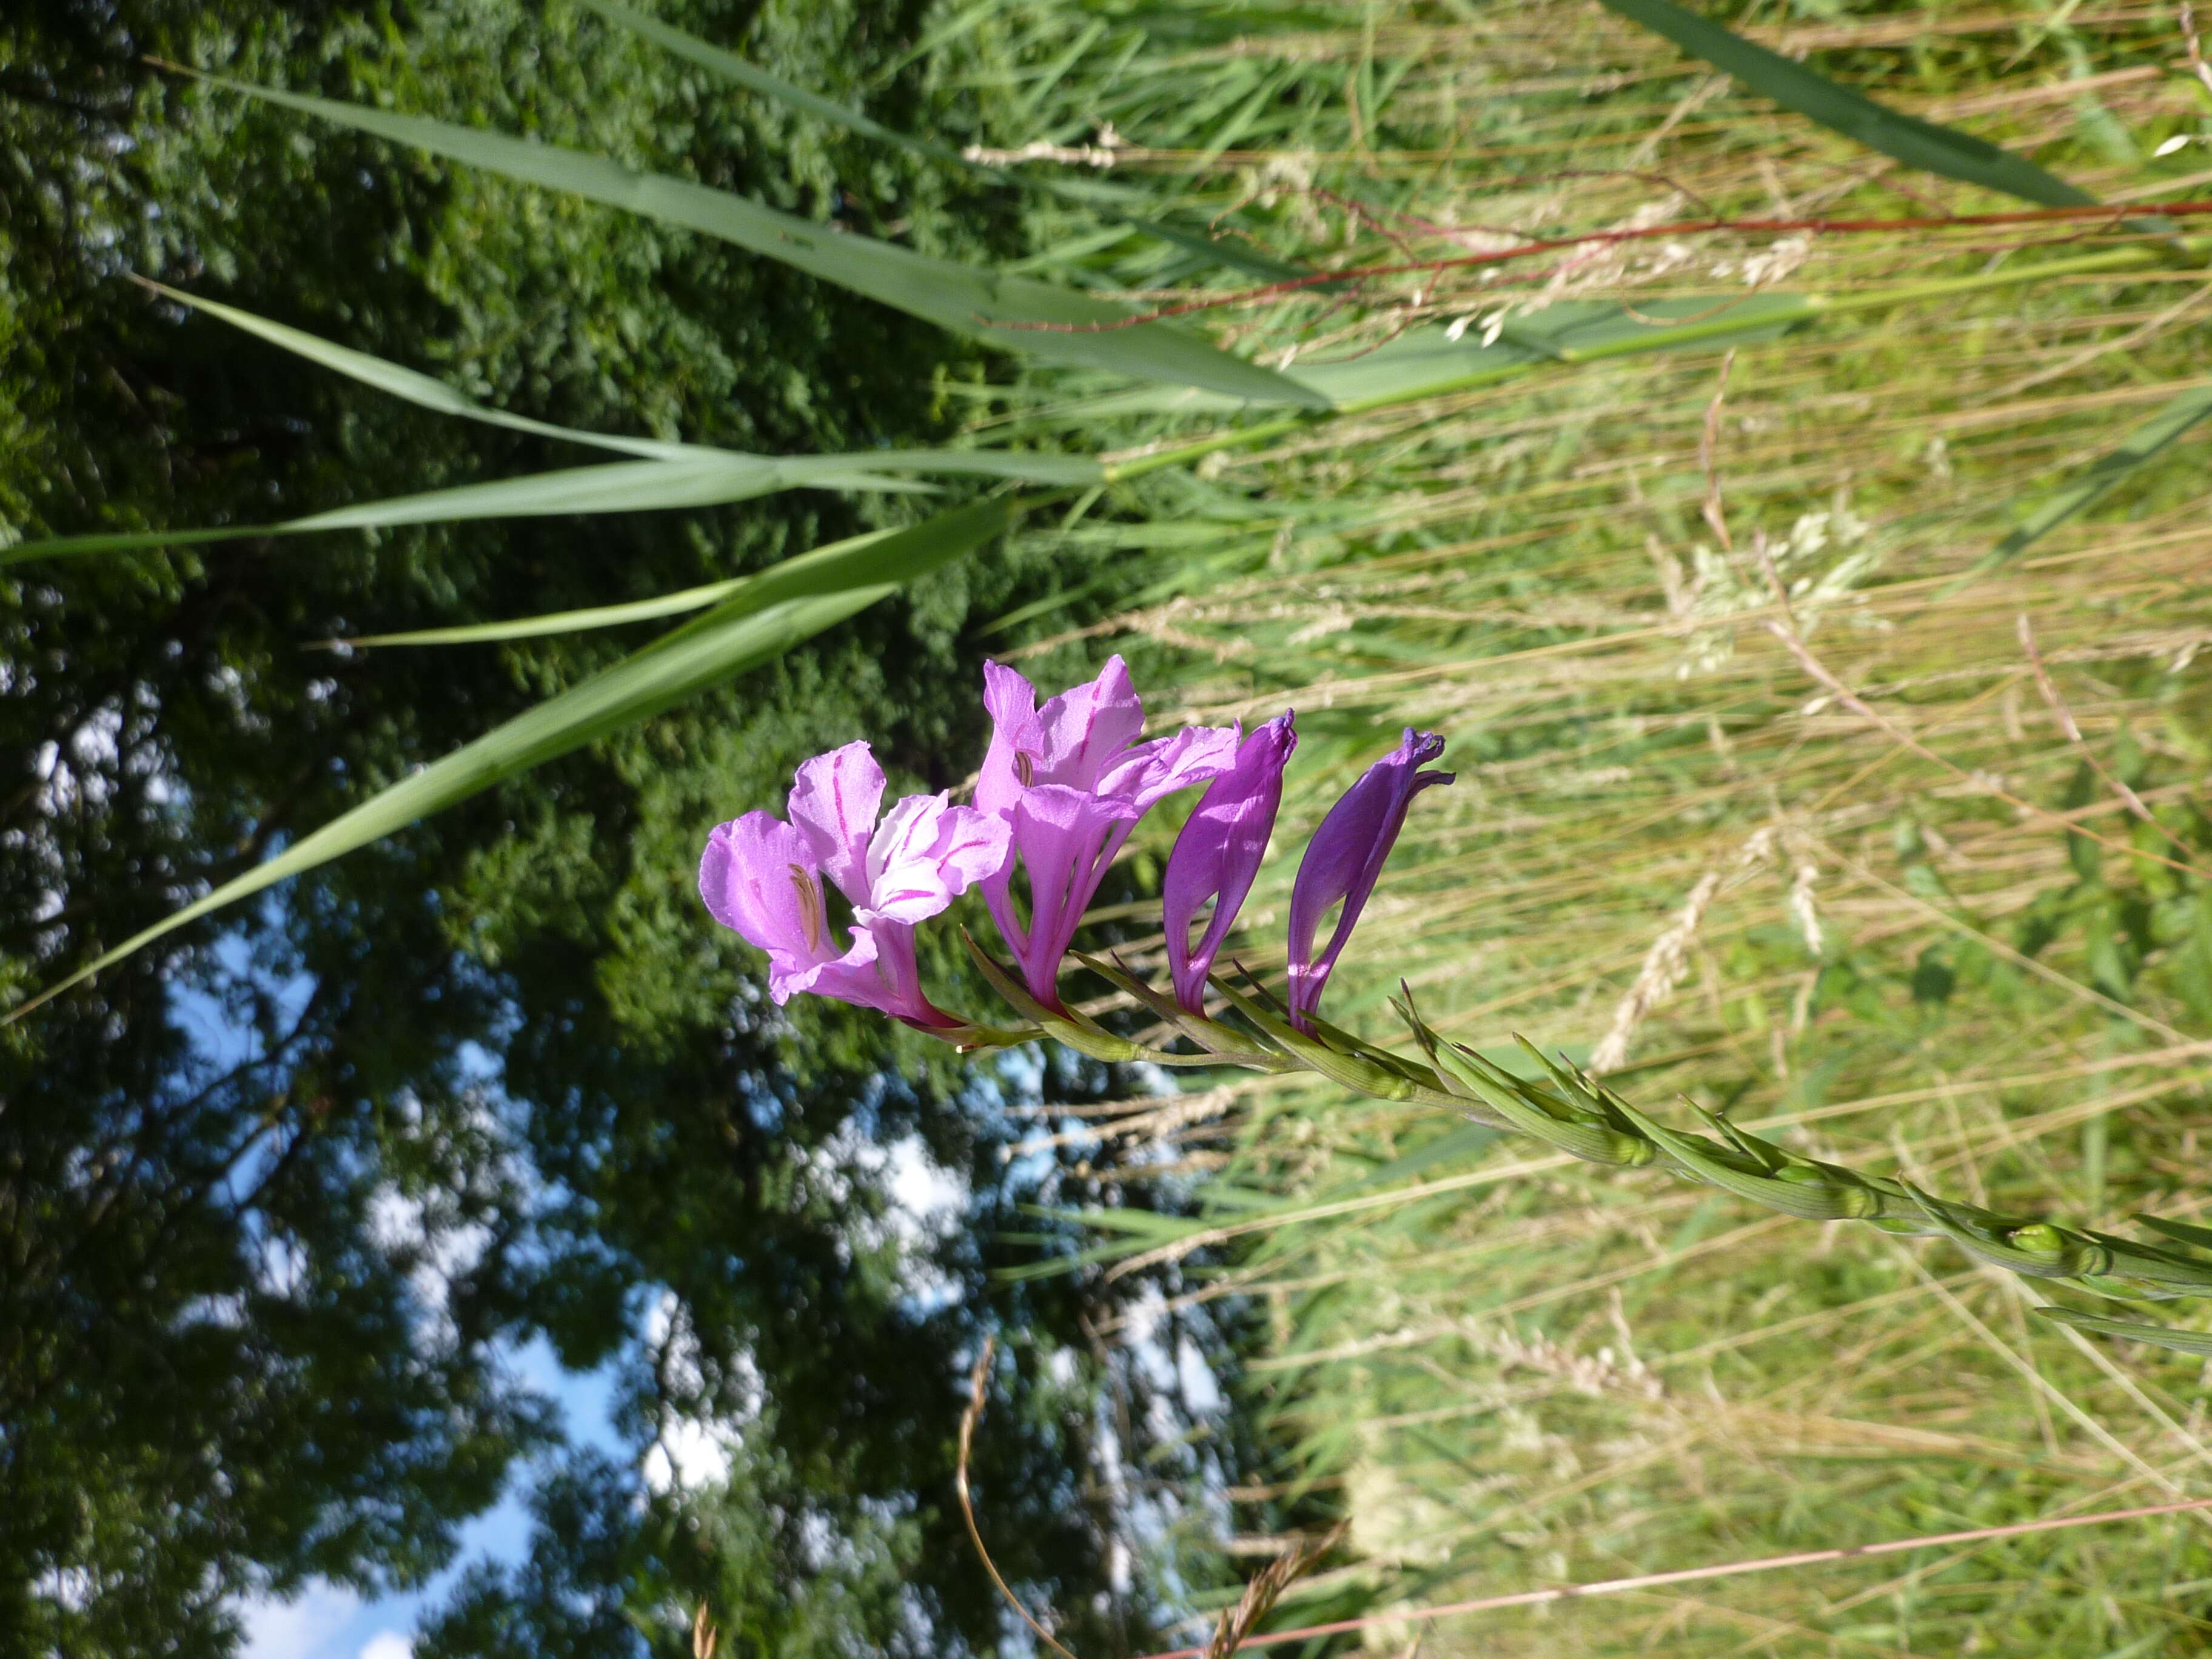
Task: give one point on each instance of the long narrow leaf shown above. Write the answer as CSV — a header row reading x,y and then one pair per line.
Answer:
x,y
418,388
603,616
1903,137
962,298
774,611
615,487
2158,1336
731,67
1424,360
2107,472
558,622
1107,199
414,386
703,477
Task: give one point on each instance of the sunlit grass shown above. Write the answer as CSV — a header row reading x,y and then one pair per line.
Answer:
x,y
1939,943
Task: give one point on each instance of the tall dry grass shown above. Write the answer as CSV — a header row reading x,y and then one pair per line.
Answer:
x,y
1768,782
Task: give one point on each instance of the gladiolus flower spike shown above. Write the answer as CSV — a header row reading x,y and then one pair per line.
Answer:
x,y
1058,792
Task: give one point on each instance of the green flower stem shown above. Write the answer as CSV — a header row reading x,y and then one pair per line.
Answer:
x,y
1578,1116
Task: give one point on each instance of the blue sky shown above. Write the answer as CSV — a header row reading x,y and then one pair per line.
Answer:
x,y
327,1621
330,1622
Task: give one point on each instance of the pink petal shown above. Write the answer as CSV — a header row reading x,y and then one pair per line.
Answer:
x,y
1010,701
1087,726
1152,771
1218,852
833,803
853,977
1345,859
927,854
747,878
1065,838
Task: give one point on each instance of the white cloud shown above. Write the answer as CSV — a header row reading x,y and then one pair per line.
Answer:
x,y
310,1627
931,1197
387,1644
689,1454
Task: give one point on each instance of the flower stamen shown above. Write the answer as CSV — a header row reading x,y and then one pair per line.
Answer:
x,y
812,916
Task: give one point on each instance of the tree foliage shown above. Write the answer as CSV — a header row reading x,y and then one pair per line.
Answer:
x,y
276,1198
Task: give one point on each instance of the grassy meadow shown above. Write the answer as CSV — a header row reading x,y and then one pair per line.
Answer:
x,y
1906,866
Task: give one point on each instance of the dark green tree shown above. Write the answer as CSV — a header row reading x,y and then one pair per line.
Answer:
x,y
254,1288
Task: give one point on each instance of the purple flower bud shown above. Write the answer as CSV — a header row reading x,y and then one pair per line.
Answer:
x,y
1345,858
1219,853
1071,782
763,877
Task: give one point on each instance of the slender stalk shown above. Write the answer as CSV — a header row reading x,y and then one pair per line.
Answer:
x,y
1573,1113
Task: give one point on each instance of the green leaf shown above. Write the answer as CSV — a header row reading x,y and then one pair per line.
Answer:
x,y
681,474
1028,467
753,78
1106,198
603,616
2159,1336
702,480
2181,1232
1905,137
984,303
772,612
1426,361
615,487
415,387
2107,472
558,622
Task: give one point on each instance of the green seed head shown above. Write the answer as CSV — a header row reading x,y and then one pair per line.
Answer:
x,y
2038,1238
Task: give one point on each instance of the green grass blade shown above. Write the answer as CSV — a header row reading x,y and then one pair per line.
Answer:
x,y
962,298
415,387
1023,466
603,616
1424,362
753,78
124,541
1903,137
616,487
703,479
2180,1231
559,622
422,390
2107,472
2159,1336
1107,199
771,613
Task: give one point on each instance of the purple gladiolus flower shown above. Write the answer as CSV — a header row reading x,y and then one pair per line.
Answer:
x,y
1345,858
1071,782
763,877
1219,853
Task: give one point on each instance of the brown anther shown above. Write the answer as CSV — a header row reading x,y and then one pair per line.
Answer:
x,y
812,916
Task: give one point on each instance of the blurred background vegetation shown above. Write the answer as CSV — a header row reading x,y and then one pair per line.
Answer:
x,y
494,1080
